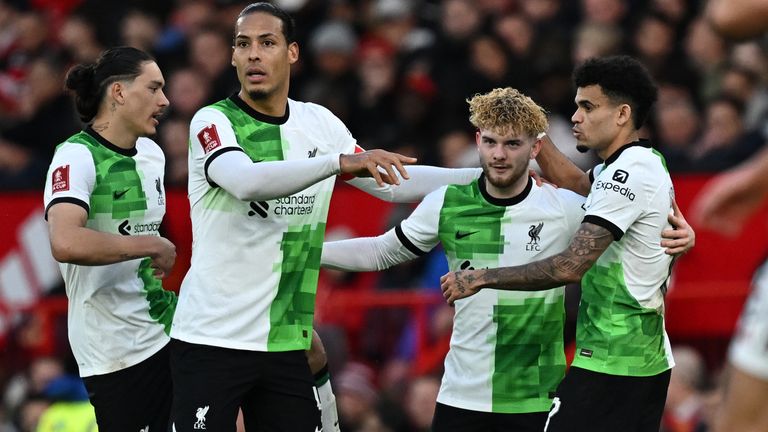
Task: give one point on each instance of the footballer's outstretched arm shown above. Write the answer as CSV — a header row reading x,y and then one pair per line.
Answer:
x,y
248,181
423,180
367,253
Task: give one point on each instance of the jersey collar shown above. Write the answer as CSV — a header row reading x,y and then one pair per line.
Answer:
x,y
503,202
103,141
257,115
639,143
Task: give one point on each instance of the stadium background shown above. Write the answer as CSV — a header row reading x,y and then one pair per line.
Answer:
x,y
397,73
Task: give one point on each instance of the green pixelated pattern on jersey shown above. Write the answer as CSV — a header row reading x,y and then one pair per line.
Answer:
x,y
614,333
293,308
527,372
162,303
470,227
116,176
260,141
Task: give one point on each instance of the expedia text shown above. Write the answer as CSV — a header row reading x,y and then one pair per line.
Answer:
x,y
608,186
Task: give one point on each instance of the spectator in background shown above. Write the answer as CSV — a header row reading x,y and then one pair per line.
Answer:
x,y
376,96
724,141
46,116
396,22
490,65
357,397
607,12
707,54
174,139
751,55
457,150
79,38
677,128
30,32
184,21
420,402
24,395
210,50
29,413
596,40
333,82
460,22
654,44
518,35
189,89
69,409
140,30
749,88
683,411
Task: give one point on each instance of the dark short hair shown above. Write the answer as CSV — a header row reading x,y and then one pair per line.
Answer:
x,y
289,27
89,81
623,80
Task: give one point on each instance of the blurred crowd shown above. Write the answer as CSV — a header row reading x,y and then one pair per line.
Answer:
x,y
397,72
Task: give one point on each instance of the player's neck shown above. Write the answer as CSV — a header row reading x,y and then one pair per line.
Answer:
x,y
115,132
510,191
624,137
272,105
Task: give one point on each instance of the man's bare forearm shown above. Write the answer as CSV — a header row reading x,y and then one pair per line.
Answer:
x,y
589,242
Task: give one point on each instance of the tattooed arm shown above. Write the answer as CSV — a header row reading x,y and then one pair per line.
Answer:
x,y
589,242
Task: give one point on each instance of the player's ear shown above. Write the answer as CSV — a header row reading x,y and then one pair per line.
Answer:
x,y
293,52
478,137
536,148
116,92
624,115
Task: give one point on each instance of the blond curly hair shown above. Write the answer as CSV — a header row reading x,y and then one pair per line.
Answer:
x,y
506,110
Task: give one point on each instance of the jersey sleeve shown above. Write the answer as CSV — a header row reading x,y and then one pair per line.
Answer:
x,y
594,172
71,177
423,180
617,199
339,134
419,232
210,135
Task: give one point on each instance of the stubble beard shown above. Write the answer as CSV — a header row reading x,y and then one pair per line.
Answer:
x,y
581,148
258,94
503,182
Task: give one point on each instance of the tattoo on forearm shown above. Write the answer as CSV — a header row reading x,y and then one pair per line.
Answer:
x,y
587,245
589,242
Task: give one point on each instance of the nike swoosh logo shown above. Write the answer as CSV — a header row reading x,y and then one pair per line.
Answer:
x,y
117,195
460,235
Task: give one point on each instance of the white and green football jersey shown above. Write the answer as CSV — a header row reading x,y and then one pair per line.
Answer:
x,y
253,276
119,314
620,325
506,352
